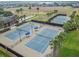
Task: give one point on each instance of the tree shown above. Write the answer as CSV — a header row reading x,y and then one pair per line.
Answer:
x,y
58,40
1,23
77,21
17,11
56,4
60,37
1,11
37,9
55,43
17,17
66,26
30,9
55,11
48,14
71,25
44,4
7,13
73,15
21,10
24,16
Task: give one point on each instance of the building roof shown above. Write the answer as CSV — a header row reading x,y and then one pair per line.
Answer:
x,y
75,4
7,19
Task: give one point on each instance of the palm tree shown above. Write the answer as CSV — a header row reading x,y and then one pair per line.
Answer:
x,y
69,26
1,23
55,11
60,37
77,21
55,43
1,10
73,15
48,14
17,18
17,11
66,27
37,9
21,10
24,16
30,9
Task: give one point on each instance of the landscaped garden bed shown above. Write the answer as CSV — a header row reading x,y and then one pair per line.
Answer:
x,y
4,30
3,53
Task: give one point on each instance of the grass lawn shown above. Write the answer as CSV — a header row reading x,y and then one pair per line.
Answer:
x,y
3,53
43,17
40,17
70,45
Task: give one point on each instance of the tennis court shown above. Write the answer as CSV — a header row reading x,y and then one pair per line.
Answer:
x,y
48,33
41,41
60,19
20,32
15,34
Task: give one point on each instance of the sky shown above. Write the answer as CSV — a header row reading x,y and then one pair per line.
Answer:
x,y
39,0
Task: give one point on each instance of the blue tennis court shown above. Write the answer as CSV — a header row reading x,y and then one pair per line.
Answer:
x,y
48,33
60,19
14,35
28,27
40,42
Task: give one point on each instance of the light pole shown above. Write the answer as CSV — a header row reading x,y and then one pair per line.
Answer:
x,y
31,28
19,35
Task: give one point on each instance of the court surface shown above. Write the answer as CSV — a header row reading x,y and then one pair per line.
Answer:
x,y
20,32
60,19
41,41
